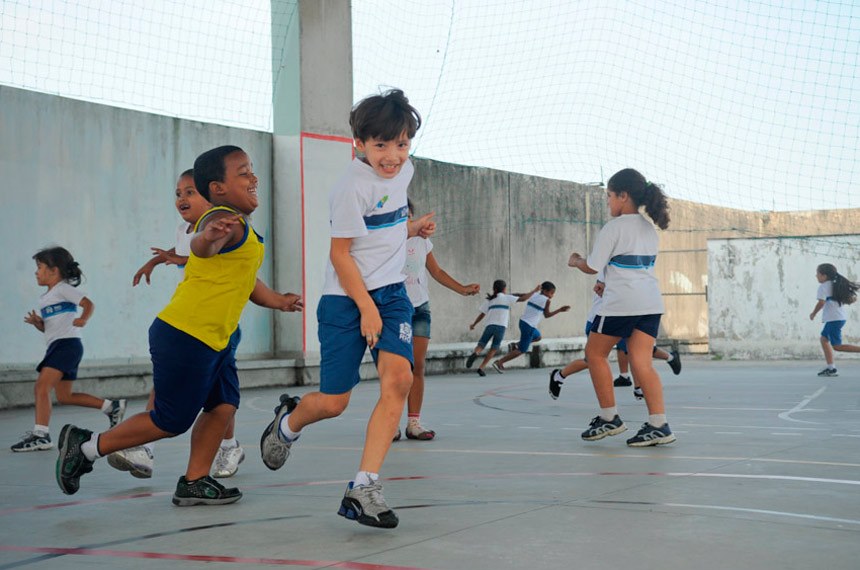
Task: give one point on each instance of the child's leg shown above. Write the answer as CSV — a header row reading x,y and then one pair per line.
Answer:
x,y
844,348
416,392
490,354
48,379
206,436
317,406
395,378
508,357
136,430
623,362
660,354
597,354
67,397
574,366
828,351
639,347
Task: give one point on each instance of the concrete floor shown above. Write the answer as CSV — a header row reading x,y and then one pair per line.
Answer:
x,y
764,475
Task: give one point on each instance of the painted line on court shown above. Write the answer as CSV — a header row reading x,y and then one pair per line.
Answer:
x,y
786,415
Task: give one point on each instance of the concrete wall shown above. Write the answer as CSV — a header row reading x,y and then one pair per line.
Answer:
x,y
100,181
761,292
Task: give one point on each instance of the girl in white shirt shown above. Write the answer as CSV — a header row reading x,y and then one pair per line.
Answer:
x,y
497,309
834,292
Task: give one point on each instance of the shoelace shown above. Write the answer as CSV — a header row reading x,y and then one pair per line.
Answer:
x,y
374,492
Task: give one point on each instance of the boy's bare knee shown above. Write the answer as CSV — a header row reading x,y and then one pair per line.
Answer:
x,y
332,407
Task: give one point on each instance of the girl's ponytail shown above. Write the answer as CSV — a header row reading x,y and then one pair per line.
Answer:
x,y
499,285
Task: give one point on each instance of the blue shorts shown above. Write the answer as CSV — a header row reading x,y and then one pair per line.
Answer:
x,y
189,376
64,354
528,334
341,344
494,332
832,331
421,320
624,326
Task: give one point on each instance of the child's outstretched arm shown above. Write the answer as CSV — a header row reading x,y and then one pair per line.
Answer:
x,y
576,260
526,296
352,283
34,319
442,277
265,296
159,256
547,313
422,227
477,320
818,306
219,230
88,307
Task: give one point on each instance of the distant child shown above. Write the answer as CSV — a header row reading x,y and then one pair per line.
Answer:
x,y
834,292
537,308
364,302
419,261
625,250
58,318
193,340
497,309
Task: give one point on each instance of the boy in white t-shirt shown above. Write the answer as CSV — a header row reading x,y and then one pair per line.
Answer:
x,y
364,302
537,308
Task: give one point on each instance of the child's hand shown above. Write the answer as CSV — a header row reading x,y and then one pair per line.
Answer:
x,y
564,309
423,226
79,322
811,316
292,303
34,319
160,254
574,260
471,289
371,325
472,327
599,287
220,228
144,271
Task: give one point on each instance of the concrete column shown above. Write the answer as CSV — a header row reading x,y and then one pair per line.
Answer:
x,y
312,97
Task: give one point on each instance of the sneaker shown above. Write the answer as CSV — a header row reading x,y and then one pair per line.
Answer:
x,y
273,449
366,505
675,363
227,461
138,461
554,385
828,372
481,372
397,436
498,367
31,441
471,360
204,491
649,435
72,463
637,393
622,381
117,411
419,433
600,428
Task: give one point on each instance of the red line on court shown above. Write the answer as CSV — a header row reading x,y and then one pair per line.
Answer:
x,y
202,558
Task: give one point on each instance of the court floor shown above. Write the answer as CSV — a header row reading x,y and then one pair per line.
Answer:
x,y
765,474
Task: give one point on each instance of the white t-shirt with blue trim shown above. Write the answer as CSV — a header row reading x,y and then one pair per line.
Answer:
x,y
372,211
183,244
58,307
498,309
533,314
417,286
832,311
626,250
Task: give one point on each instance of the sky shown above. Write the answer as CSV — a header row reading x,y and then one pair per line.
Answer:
x,y
753,105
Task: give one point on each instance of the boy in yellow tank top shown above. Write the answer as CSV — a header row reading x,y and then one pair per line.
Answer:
x,y
193,339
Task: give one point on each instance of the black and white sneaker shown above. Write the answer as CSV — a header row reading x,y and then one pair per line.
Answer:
x,y
555,382
32,441
622,381
600,428
204,491
366,505
117,411
829,372
72,463
637,393
649,435
273,449
675,363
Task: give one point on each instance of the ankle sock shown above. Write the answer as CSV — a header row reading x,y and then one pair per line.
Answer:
x,y
285,433
657,420
609,414
107,406
41,430
229,443
90,448
365,478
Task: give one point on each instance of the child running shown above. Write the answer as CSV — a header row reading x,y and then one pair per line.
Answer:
x,y
537,308
834,292
419,261
497,309
625,250
193,340
364,302
58,318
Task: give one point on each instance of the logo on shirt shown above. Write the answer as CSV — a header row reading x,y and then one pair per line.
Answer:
x,y
382,202
406,332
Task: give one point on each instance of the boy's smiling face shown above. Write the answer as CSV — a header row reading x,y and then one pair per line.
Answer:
x,y
385,157
239,187
189,203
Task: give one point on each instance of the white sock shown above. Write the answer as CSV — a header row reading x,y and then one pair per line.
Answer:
x,y
41,430
285,432
90,448
106,406
414,421
657,420
830,366
671,357
559,377
625,376
150,447
365,478
229,443
609,414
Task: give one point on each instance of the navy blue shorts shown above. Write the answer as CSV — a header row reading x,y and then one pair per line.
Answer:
x,y
341,344
421,320
64,354
832,331
189,376
528,334
494,332
624,326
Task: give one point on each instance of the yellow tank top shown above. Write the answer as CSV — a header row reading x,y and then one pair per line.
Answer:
x,y
208,302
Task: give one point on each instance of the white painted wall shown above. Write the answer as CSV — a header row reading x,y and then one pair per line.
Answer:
x,y
761,292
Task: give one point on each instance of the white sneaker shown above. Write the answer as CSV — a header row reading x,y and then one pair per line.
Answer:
x,y
227,461
138,461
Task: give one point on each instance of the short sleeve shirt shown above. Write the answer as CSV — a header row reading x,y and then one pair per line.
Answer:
x,y
58,308
533,314
498,309
417,287
832,310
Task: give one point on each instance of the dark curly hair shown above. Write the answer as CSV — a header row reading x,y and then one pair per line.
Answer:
x,y
60,258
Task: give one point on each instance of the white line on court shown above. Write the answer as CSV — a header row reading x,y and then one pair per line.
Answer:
x,y
799,408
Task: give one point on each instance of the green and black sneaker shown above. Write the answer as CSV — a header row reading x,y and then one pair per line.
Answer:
x,y
72,463
204,491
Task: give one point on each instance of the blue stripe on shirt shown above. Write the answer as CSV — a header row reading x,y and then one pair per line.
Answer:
x,y
387,220
57,308
505,307
538,307
633,261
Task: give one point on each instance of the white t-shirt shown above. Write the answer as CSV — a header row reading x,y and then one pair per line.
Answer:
x,y
498,309
417,287
372,211
625,250
183,243
533,314
832,311
595,301
58,307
